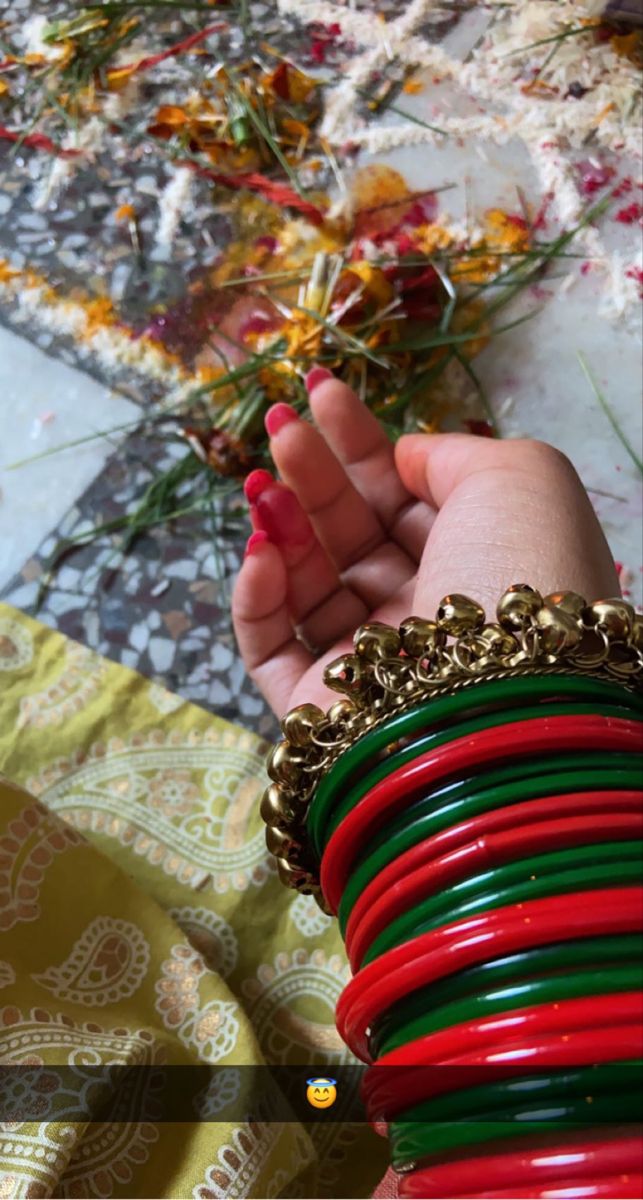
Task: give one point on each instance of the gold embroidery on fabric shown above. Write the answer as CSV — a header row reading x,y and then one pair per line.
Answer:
x,y
210,1029
75,1159
308,917
32,1037
222,1089
240,1162
289,1001
172,792
30,1096
184,801
106,964
33,1159
163,701
81,678
211,937
16,645
7,977
27,848
107,1157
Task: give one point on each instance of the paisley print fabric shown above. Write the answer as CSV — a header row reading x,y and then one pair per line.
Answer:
x,y
141,924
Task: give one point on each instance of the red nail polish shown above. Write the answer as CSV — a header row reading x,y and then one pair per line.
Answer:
x,y
255,541
282,517
278,416
256,483
315,376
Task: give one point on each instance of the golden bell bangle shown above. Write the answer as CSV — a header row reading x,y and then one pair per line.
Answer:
x,y
392,670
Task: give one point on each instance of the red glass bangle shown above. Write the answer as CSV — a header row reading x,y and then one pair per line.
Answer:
x,y
557,1017
528,812
487,851
537,736
388,1091
460,944
626,1186
577,1158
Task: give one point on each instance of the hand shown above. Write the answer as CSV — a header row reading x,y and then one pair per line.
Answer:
x,y
366,531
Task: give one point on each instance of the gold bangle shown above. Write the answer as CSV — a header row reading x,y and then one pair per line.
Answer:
x,y
391,670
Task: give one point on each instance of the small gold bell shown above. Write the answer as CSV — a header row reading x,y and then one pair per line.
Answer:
x,y
421,637
376,640
569,602
497,639
487,647
560,630
517,606
614,617
284,766
274,808
341,712
637,632
458,614
293,876
345,674
279,842
300,723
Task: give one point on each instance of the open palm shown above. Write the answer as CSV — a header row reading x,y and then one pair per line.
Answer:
x,y
360,530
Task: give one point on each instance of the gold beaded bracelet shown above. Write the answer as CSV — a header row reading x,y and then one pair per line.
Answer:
x,y
392,670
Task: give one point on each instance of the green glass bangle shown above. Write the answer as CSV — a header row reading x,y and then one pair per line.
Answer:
x,y
326,812
444,908
506,1093
517,995
410,1143
541,961
469,797
475,700
525,777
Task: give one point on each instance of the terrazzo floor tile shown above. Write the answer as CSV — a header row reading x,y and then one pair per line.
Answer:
x,y
164,608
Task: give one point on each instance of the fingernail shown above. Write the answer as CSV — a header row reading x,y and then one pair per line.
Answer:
x,y
278,416
282,517
256,483
315,376
255,541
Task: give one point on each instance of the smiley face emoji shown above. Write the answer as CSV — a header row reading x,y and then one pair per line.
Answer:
x,y
321,1092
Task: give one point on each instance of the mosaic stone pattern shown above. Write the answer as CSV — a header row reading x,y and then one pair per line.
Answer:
x,y
164,608
75,239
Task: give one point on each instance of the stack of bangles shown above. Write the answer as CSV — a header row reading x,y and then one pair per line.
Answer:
x,y
471,809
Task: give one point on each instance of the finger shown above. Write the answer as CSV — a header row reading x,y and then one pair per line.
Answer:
x,y
432,465
360,444
311,687
343,520
263,626
322,608
513,511
370,563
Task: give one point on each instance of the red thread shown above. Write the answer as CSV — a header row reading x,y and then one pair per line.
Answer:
x,y
276,193
179,48
36,141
